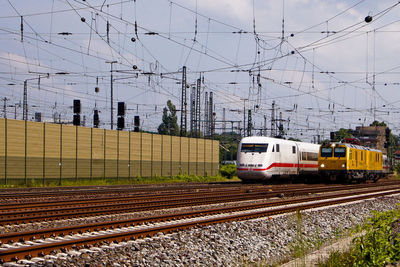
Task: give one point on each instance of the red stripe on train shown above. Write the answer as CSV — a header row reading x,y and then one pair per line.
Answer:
x,y
282,165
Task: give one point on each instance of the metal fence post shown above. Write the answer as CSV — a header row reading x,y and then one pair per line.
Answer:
x,y
76,153
5,151
141,154
60,163
197,156
91,153
212,156
26,147
151,159
205,165
129,157
104,150
117,155
44,153
170,158
162,155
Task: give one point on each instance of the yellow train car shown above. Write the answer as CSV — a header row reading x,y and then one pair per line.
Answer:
x,y
344,161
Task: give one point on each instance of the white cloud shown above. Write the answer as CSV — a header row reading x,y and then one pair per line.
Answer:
x,y
23,64
237,9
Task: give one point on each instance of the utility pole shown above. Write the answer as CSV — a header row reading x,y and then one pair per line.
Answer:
x,y
223,121
25,100
244,117
5,107
265,125
273,120
112,93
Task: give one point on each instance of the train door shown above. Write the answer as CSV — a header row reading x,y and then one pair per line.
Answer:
x,y
296,152
278,158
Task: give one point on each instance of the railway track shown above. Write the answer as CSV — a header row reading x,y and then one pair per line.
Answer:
x,y
103,234
24,212
24,194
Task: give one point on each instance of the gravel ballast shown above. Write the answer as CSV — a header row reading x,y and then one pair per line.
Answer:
x,y
267,240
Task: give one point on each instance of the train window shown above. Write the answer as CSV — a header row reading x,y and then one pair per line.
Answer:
x,y
260,148
312,156
326,152
254,148
339,152
277,147
293,149
247,148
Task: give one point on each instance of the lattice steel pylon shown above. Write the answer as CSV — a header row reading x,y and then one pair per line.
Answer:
x,y
211,115
197,108
206,109
183,103
249,123
273,132
193,111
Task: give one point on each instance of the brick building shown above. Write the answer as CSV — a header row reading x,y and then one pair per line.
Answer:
x,y
372,136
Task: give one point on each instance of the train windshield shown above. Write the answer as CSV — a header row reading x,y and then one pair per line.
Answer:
x,y
254,148
339,152
326,152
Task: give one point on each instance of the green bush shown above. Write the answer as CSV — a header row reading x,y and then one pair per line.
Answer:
x,y
396,168
228,171
378,247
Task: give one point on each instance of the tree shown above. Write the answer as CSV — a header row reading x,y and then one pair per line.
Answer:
x,y
342,134
294,139
377,123
169,125
228,145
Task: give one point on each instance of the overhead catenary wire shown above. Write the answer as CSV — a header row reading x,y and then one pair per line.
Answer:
x,y
268,62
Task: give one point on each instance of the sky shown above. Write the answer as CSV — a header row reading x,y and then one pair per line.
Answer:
x,y
320,62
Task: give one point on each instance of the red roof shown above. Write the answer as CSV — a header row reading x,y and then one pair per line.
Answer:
x,y
397,152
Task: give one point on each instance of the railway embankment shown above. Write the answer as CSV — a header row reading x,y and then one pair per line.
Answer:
x,y
267,241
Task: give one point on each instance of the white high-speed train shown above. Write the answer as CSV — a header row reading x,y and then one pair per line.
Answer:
x,y
260,158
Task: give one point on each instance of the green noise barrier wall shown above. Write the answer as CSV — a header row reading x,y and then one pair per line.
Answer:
x,y
47,151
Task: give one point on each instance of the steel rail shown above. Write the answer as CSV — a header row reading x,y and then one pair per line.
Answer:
x,y
121,206
39,250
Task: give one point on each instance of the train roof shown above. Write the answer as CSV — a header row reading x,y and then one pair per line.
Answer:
x,y
265,139
357,147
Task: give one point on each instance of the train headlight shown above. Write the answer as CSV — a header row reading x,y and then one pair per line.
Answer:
x,y
343,165
322,165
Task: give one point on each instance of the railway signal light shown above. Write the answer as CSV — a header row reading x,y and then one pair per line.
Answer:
x,y
120,123
96,119
121,109
77,106
136,123
76,120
